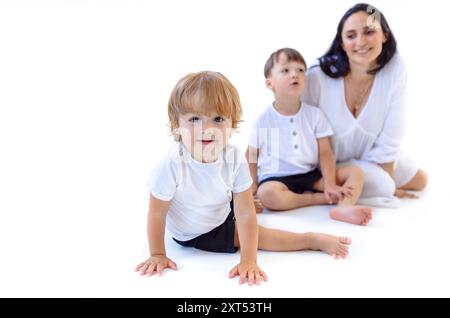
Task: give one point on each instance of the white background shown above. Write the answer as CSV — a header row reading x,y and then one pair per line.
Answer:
x,y
83,93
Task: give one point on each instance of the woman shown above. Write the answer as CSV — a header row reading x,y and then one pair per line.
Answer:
x,y
360,86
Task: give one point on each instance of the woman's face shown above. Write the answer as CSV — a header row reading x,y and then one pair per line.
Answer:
x,y
362,39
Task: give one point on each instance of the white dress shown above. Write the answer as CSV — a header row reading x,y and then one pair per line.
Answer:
x,y
375,136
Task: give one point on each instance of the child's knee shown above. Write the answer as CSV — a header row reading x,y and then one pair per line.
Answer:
x,y
356,172
269,196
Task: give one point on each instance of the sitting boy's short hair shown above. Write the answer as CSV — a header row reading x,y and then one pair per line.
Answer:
x,y
291,55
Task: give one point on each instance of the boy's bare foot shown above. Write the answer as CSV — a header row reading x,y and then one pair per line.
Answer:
x,y
360,215
336,246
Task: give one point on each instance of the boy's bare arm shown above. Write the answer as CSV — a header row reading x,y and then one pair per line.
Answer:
x,y
327,161
158,260
156,224
246,224
333,192
252,159
247,228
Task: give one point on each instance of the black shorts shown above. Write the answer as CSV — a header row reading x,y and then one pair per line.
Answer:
x,y
298,183
220,239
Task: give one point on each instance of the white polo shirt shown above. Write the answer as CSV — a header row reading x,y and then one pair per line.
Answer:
x,y
288,144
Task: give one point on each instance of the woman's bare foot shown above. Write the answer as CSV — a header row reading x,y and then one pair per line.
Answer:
x,y
403,194
360,215
336,246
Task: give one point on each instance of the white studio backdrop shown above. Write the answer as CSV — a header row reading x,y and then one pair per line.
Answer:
x,y
83,93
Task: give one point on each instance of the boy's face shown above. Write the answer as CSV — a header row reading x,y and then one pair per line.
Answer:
x,y
204,136
287,79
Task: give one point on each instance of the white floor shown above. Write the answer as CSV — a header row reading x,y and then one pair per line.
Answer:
x,y
402,252
396,255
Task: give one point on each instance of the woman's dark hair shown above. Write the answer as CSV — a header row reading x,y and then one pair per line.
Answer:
x,y
335,62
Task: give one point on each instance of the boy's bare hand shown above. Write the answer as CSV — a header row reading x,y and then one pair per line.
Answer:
x,y
249,271
334,193
155,264
259,207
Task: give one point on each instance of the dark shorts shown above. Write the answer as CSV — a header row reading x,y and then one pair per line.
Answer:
x,y
220,239
298,183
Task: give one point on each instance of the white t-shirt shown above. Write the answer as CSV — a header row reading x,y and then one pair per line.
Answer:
x,y
375,135
288,144
199,193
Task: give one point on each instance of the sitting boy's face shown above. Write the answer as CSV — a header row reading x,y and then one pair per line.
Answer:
x,y
287,78
204,136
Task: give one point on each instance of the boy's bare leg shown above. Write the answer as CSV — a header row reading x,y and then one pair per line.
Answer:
x,y
276,196
279,240
346,210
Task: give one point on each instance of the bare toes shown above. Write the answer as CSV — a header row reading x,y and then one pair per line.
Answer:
x,y
344,249
345,240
